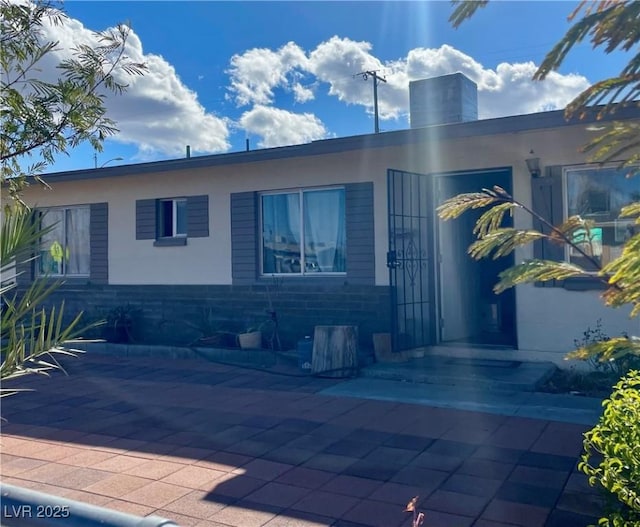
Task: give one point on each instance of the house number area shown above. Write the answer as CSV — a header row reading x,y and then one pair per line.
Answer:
x,y
35,511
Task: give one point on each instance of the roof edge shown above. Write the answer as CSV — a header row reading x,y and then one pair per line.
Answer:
x,y
493,126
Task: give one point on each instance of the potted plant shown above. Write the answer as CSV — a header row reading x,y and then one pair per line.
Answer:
x,y
250,338
210,329
120,322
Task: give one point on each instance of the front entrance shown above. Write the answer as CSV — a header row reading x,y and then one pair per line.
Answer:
x,y
470,313
439,294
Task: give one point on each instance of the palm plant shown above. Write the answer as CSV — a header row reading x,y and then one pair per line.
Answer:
x,y
620,277
31,334
44,117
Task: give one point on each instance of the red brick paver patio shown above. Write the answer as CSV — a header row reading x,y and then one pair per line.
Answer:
x,y
219,446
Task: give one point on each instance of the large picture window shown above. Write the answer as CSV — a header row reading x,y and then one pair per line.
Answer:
x,y
599,195
303,232
64,250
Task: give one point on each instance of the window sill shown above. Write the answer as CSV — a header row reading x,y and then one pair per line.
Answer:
x,y
304,276
332,280
583,283
170,242
74,277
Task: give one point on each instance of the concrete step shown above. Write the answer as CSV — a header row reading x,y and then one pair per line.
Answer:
x,y
487,374
547,406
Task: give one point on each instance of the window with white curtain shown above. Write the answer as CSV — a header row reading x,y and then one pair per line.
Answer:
x,y
303,232
598,195
65,250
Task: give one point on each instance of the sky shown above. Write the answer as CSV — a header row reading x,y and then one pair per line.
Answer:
x,y
282,73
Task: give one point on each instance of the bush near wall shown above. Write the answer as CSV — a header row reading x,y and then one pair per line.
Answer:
x,y
611,457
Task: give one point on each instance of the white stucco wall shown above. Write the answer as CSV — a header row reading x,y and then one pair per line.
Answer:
x,y
548,319
205,260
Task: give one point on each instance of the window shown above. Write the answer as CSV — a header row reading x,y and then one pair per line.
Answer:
x,y
170,221
65,250
598,195
303,232
172,218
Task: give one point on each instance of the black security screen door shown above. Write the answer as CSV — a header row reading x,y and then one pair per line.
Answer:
x,y
410,260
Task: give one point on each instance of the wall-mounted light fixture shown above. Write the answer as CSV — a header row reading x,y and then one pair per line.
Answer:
x,y
533,164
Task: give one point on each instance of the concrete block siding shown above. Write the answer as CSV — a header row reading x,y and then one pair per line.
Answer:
x,y
169,313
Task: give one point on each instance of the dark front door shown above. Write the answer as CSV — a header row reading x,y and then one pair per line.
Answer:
x,y
409,260
470,313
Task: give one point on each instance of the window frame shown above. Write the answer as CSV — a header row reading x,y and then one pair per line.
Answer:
x,y
64,274
303,272
174,218
566,171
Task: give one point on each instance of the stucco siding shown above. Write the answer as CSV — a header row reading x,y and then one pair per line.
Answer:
x,y
548,319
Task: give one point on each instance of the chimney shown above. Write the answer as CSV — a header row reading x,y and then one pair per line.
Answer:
x,y
443,100
188,151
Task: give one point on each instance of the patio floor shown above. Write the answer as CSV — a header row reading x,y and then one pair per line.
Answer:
x,y
213,445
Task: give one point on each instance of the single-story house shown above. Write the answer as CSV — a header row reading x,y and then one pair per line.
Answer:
x,y
343,232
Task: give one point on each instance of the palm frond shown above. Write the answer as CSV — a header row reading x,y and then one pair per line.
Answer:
x,y
608,350
31,344
20,232
492,219
456,206
615,141
464,10
501,242
537,271
631,211
624,277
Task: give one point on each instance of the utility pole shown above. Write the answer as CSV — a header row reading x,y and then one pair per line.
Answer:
x,y
376,78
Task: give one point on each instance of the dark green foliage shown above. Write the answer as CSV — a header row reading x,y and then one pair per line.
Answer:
x,y
609,25
615,367
44,117
612,448
496,241
121,322
611,456
579,382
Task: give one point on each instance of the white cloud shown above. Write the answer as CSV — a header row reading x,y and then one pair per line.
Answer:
x,y
255,73
278,127
302,94
158,113
505,90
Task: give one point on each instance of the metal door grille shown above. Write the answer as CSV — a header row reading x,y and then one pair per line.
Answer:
x,y
410,260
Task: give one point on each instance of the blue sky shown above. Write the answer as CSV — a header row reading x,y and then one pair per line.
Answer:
x,y
281,73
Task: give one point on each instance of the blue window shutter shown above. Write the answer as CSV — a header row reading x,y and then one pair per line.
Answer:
x,y
198,216
146,210
360,233
244,238
547,200
99,243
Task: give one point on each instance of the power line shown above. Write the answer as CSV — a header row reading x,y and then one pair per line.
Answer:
x,y
376,78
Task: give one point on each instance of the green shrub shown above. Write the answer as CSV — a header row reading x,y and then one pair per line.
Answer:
x,y
614,366
611,457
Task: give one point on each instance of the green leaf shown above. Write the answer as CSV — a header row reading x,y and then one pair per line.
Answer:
x,y
537,271
454,207
613,348
502,242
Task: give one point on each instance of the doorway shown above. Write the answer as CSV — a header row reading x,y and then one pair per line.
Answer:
x,y
469,312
